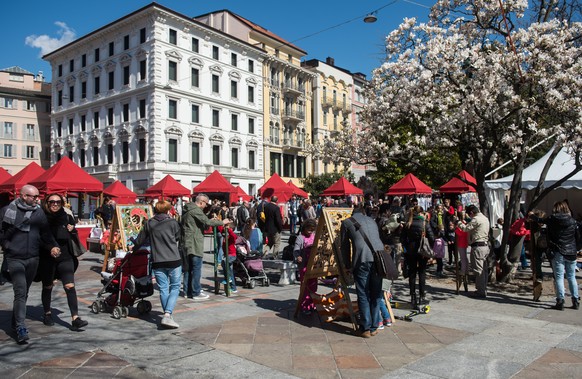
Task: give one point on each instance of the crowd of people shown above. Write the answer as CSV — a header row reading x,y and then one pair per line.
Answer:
x,y
36,239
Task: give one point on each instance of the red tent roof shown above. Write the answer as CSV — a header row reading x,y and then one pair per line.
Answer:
x,y
22,177
4,175
409,185
342,187
296,190
66,176
167,187
120,193
242,194
456,185
216,183
276,186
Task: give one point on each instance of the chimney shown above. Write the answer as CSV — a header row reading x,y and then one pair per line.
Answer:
x,y
39,77
330,61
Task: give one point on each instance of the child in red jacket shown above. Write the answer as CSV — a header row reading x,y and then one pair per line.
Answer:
x,y
231,255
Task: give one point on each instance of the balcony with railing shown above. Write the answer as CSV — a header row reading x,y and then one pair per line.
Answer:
x,y
293,143
289,86
293,115
328,101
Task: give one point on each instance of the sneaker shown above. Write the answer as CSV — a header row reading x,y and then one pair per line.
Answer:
x,y
200,297
47,319
22,335
380,326
168,322
387,322
233,290
78,323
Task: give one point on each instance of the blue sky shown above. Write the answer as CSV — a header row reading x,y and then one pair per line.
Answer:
x,y
322,28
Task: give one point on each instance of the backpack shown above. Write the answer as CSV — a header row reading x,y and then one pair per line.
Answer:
x,y
261,213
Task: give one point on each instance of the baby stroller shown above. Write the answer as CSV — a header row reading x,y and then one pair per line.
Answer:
x,y
248,266
129,280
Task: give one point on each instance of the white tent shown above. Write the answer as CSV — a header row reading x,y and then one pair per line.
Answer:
x,y
563,164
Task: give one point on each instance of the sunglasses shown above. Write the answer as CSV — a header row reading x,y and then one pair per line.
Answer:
x,y
54,202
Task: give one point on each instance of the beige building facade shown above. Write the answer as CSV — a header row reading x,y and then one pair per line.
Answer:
x,y
25,103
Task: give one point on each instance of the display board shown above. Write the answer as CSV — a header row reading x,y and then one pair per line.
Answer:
x,y
325,259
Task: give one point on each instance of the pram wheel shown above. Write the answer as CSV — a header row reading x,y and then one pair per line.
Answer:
x,y
252,284
117,312
266,282
95,308
124,311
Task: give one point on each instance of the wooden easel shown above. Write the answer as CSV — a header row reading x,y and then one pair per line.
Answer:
x,y
325,258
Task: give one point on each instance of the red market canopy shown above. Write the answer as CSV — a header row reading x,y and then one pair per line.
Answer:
x,y
120,193
4,175
240,193
167,187
297,191
66,176
216,183
456,185
22,177
409,185
276,186
342,187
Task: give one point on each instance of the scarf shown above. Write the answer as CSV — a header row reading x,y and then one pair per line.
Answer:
x,y
20,220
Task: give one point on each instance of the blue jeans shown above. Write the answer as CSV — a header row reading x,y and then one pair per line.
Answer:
x,y
192,277
384,309
22,272
231,259
168,280
369,290
292,223
559,264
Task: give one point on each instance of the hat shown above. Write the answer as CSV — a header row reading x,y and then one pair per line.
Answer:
x,y
396,199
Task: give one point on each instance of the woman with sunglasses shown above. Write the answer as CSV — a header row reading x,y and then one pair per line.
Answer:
x,y
62,225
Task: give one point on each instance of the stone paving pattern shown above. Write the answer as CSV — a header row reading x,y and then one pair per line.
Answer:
x,y
254,334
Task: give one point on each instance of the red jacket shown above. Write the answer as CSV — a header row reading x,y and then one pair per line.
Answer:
x,y
231,241
518,229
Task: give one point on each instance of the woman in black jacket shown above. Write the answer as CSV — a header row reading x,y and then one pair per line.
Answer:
x,y
63,267
561,232
415,229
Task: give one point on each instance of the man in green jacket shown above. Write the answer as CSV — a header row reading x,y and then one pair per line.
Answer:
x,y
194,222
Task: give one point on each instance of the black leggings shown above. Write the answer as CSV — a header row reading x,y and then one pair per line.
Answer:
x,y
416,265
65,270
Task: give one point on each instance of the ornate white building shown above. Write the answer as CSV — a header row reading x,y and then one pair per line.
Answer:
x,y
157,93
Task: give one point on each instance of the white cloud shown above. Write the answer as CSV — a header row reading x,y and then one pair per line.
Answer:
x,y
46,44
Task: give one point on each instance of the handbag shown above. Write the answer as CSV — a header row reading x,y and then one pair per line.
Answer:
x,y
425,250
75,246
383,262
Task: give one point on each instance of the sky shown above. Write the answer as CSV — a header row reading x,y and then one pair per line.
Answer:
x,y
322,28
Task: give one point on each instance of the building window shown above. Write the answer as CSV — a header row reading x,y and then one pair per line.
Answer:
x,y
172,71
142,108
83,60
71,94
233,59
173,37
60,70
110,116
111,80
59,129
233,89
301,170
82,157
142,149
275,163
95,120
126,42
111,49
142,35
83,90
125,152
252,160
234,157
126,75
251,65
215,52
288,165
30,105
215,84
234,122
216,118
96,85
70,154
59,99
216,155
110,153
71,126
196,152
142,69
195,44
195,77
8,129
95,155
83,123
251,126
30,152
71,65
30,131
96,54
173,150
251,94
172,109
195,113
125,112
7,151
